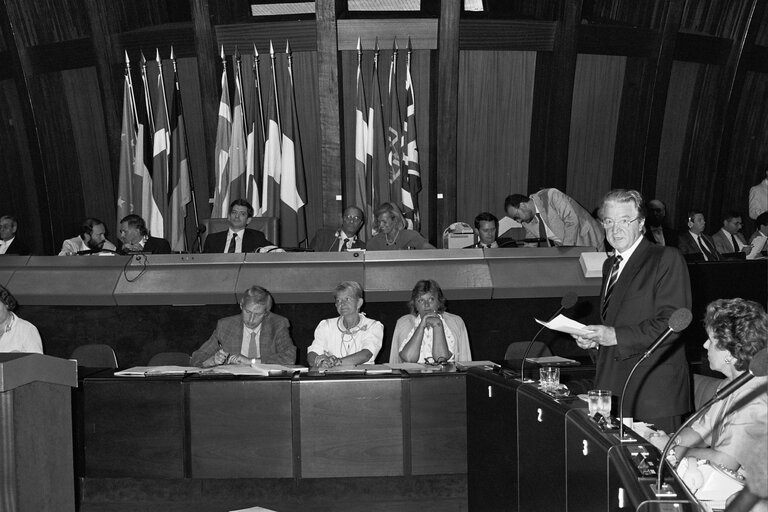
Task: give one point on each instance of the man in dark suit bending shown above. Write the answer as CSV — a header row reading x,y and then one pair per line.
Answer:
x,y
643,284
134,237
237,238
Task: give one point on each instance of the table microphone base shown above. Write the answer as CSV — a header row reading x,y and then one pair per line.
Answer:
x,y
666,491
626,438
525,380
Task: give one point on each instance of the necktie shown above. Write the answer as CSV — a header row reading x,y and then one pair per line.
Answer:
x,y
735,244
543,240
708,255
232,243
253,347
612,278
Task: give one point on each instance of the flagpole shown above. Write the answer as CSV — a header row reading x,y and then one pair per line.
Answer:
x,y
238,70
257,78
373,156
130,87
186,143
147,98
289,54
274,82
165,102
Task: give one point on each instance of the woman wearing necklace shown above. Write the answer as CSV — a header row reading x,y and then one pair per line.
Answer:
x,y
348,339
393,235
429,334
16,334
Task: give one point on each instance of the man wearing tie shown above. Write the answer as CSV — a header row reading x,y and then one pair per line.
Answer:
x,y
643,284
343,239
728,240
555,219
237,238
254,336
695,242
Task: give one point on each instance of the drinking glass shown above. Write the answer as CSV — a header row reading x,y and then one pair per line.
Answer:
x,y
599,401
549,378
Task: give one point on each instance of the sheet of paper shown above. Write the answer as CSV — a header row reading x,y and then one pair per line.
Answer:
x,y
758,245
237,369
564,324
172,370
136,371
407,366
463,365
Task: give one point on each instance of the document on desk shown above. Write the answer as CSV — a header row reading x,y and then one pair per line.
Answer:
x,y
564,324
553,361
259,369
151,371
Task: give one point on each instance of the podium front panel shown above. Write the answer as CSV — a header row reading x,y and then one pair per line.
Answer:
x,y
9,265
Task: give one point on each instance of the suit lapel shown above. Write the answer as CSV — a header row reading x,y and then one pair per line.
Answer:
x,y
628,273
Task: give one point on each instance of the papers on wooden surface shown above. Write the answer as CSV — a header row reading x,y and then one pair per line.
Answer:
x,y
360,369
564,324
152,371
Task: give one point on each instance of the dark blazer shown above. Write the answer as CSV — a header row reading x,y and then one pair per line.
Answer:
x,y
688,245
17,248
275,343
325,240
671,238
253,240
154,245
652,285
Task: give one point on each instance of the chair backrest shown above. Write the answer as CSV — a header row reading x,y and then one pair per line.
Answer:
x,y
516,349
95,355
170,359
267,225
704,388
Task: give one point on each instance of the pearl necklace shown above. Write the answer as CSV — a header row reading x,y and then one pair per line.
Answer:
x,y
386,238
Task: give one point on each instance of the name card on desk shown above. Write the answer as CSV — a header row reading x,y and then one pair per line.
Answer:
x,y
592,263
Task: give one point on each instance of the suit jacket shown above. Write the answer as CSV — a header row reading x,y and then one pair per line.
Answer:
x,y
275,343
688,245
653,284
671,238
253,240
723,243
567,219
325,240
17,248
154,245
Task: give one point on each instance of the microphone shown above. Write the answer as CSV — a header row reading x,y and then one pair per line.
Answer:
x,y
678,321
198,240
758,367
567,302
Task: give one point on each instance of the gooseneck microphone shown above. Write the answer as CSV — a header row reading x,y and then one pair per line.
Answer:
x,y
678,321
567,302
198,240
758,367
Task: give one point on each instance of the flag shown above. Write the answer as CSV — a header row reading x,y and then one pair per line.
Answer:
x,y
293,189
394,140
270,191
125,200
412,181
180,190
255,142
142,170
160,147
377,179
237,147
361,138
221,153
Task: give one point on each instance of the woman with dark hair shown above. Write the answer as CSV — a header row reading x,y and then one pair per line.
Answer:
x,y
393,234
429,334
16,334
728,432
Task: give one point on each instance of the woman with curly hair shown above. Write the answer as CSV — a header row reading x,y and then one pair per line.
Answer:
x,y
16,334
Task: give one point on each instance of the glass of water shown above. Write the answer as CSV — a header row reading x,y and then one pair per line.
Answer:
x,y
549,378
599,401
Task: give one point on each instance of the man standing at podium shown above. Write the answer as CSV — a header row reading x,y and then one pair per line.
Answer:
x,y
16,334
643,284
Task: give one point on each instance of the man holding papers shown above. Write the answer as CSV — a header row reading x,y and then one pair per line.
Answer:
x,y
643,284
254,336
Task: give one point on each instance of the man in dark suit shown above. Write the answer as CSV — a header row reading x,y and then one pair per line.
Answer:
x,y
237,238
9,242
486,231
694,243
344,238
254,336
643,284
134,238
656,230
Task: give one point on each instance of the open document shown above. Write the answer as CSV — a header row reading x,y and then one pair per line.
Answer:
x,y
564,324
152,371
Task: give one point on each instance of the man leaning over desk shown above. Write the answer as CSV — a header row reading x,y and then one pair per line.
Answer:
x,y
256,335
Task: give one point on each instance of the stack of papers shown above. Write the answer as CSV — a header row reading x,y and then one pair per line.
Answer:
x,y
151,371
564,324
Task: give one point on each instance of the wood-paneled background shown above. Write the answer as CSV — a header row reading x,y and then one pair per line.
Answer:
x,y
667,96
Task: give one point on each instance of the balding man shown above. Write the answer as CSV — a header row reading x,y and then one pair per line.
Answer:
x,y
344,238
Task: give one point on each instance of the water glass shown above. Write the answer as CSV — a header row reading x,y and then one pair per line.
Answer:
x,y
549,378
599,401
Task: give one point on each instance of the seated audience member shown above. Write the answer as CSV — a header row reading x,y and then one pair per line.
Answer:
x,y
350,338
761,235
9,242
256,335
237,238
729,239
429,333
694,242
134,237
758,198
555,219
393,235
656,230
344,238
93,237
16,334
731,429
486,230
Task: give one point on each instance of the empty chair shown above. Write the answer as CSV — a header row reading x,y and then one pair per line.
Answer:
x,y
516,349
170,359
95,355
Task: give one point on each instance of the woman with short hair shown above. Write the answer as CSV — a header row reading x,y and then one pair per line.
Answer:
x,y
393,234
16,334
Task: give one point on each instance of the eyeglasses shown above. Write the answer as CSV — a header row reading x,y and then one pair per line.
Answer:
x,y
621,223
431,361
345,300
353,218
